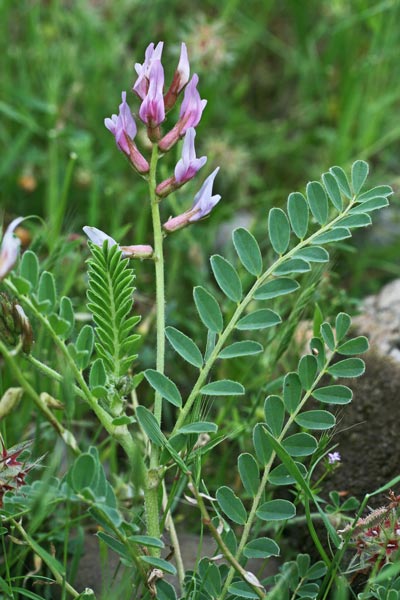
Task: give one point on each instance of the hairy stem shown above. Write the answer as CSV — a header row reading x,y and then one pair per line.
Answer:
x,y
153,476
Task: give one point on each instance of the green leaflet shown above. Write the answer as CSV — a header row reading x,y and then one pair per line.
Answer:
x,y
359,173
184,346
226,277
279,230
297,208
248,251
164,386
231,505
208,309
318,201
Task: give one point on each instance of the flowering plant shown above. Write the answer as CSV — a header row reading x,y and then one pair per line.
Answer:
x,y
239,317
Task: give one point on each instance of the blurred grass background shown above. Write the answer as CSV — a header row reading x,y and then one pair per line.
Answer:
x,y
292,88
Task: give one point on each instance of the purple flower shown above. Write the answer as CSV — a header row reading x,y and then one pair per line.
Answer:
x,y
152,111
180,79
334,457
142,83
123,128
188,165
192,106
190,114
9,249
204,202
98,237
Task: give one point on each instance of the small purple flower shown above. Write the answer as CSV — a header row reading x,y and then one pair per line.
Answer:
x,y
152,111
98,237
192,106
9,249
190,114
334,457
180,79
188,165
122,126
142,83
204,202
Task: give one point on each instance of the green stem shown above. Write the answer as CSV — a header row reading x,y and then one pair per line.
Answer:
x,y
238,313
153,475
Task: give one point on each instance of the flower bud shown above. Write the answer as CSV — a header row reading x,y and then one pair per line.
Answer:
x,y
9,401
180,79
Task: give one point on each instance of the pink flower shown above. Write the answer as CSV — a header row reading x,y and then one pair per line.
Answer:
x,y
152,110
203,204
123,128
190,114
192,106
9,249
186,168
98,237
188,165
180,79
142,83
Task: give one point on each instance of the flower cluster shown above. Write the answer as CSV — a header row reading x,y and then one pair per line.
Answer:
x,y
155,103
